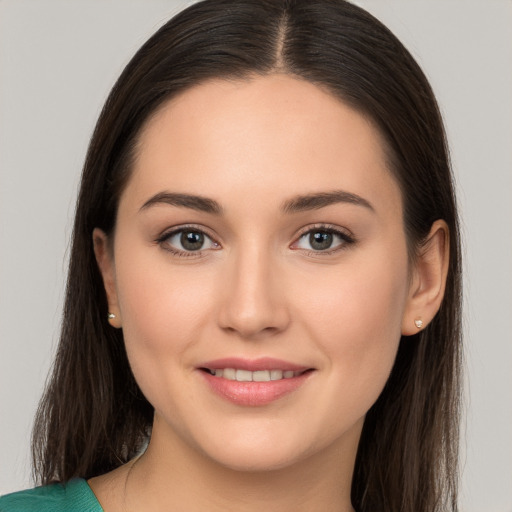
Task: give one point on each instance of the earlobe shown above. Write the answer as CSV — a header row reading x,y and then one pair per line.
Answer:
x,y
105,261
429,280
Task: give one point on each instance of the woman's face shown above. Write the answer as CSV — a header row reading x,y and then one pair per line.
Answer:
x,y
260,237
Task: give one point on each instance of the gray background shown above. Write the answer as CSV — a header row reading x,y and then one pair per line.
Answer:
x,y
58,60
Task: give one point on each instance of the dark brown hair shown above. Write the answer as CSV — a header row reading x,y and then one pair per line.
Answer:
x,y
93,417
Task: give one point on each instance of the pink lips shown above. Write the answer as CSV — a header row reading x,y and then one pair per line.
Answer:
x,y
263,363
253,393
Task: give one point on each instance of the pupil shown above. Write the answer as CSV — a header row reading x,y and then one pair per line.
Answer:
x,y
320,240
191,240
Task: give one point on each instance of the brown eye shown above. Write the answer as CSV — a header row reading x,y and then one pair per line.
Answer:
x,y
192,240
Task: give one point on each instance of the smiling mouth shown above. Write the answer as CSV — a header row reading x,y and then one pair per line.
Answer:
x,y
253,376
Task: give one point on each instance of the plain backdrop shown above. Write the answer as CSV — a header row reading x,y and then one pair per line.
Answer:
x,y
58,60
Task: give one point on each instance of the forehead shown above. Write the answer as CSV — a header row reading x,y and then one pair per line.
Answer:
x,y
276,135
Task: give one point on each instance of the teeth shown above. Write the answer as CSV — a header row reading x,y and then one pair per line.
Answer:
x,y
257,376
276,374
228,373
243,376
261,376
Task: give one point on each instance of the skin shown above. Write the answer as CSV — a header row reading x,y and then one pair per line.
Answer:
x,y
259,288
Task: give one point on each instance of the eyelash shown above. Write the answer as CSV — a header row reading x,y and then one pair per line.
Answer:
x,y
346,238
162,239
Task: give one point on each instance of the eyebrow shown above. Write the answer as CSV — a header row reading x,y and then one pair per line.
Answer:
x,y
296,204
321,200
199,203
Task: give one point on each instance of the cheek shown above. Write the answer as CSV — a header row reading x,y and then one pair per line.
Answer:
x,y
162,310
355,319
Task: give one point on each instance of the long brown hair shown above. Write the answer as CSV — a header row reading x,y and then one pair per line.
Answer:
x,y
93,417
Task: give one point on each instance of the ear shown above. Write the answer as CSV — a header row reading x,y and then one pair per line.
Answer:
x,y
428,280
105,260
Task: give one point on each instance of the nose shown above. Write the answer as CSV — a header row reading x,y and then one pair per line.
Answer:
x,y
254,304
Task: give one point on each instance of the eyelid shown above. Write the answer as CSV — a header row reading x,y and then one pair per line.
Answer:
x,y
168,233
346,235
332,228
347,239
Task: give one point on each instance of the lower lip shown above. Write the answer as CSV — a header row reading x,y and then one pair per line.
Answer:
x,y
254,393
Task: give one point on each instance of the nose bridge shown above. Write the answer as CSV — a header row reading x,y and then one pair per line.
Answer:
x,y
254,303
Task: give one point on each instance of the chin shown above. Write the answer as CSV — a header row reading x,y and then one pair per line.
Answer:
x,y
263,453
256,460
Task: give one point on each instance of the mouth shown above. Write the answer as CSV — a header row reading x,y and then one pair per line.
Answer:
x,y
254,382
242,375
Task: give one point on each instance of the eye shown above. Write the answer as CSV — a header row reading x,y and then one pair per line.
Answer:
x,y
323,239
185,241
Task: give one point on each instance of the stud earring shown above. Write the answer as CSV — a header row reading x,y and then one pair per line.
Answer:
x,y
111,316
418,323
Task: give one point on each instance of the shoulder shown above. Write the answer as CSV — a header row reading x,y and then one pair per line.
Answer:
x,y
74,496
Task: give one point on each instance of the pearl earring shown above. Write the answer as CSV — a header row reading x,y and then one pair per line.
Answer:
x,y
418,323
111,316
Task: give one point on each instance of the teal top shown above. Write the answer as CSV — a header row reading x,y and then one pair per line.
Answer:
x,y
74,496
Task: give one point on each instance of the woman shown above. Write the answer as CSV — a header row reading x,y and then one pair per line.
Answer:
x,y
263,303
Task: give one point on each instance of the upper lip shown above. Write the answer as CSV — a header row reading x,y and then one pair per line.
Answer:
x,y
253,365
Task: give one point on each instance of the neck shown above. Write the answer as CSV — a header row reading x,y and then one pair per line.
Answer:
x,y
173,476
